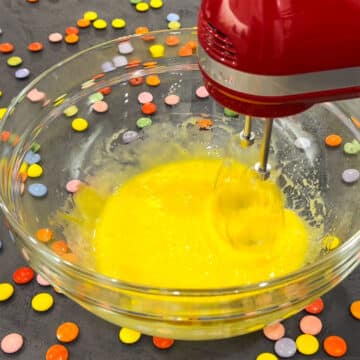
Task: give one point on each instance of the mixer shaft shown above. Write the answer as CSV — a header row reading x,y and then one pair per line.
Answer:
x,y
247,136
262,167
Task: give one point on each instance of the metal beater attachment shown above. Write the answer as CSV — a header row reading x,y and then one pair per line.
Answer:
x,y
262,167
247,137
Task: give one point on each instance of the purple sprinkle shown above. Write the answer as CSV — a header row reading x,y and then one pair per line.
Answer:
x,y
285,347
129,136
22,73
107,66
350,176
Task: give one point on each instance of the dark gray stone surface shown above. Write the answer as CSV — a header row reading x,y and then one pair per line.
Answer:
x,y
21,23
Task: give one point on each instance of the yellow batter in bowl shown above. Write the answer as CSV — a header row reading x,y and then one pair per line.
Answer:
x,y
185,224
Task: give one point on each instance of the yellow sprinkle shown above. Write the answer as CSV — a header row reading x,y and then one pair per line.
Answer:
x,y
6,291
2,112
174,25
42,302
14,61
331,242
128,336
307,344
156,4
142,6
71,111
79,124
266,356
157,50
90,15
118,23
23,168
34,171
59,100
1,93
100,24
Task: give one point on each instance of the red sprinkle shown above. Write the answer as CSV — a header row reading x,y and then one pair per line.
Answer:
x,y
315,307
23,275
162,343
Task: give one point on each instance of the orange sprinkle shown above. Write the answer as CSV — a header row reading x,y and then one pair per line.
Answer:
x,y
35,46
6,48
72,30
70,257
44,235
98,76
67,332
355,121
149,108
72,39
32,1
335,346
191,44
141,30
355,309
333,140
204,124
172,40
162,343
23,177
57,352
5,135
148,37
185,51
16,140
153,80
136,81
60,247
149,64
133,63
83,23
106,90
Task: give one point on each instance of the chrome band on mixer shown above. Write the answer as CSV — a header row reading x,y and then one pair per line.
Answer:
x,y
281,85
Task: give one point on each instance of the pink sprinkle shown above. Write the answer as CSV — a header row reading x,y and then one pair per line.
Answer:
x,y
73,185
55,37
172,100
310,324
22,188
145,97
41,281
100,106
35,95
11,343
201,92
274,331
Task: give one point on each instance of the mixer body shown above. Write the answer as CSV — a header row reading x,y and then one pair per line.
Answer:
x,y
273,58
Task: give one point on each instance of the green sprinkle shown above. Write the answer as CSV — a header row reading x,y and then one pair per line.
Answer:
x,y
71,111
352,148
98,96
143,122
35,147
230,113
135,1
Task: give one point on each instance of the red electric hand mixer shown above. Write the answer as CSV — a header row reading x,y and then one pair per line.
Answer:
x,y
273,58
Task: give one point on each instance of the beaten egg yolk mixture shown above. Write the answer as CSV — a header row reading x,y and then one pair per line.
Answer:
x,y
193,224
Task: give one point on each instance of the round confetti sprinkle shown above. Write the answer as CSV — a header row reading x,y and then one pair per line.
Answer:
x,y
118,23
67,332
172,100
157,50
73,186
136,81
335,346
14,61
37,190
83,23
42,302
22,73
41,281
55,37
142,6
145,97
172,40
71,111
35,95
134,2
162,343
35,46
44,235
98,96
100,106
32,158
128,336
156,4
34,171
59,247
148,108
230,113
351,149
143,122
302,143
350,176
6,48
129,136
72,39
307,344
355,309
23,275
153,80
108,66
333,140
285,347
2,112
174,25
331,242
11,343
172,17
316,307
6,291
57,352
201,92
100,24
125,47
274,331
311,325
72,30
267,356
90,15
119,61
79,124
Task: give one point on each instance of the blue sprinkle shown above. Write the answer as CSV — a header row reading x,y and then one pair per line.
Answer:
x,y
119,60
285,347
22,73
172,17
107,66
37,190
32,158
129,136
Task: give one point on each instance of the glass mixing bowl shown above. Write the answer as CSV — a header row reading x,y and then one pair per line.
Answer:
x,y
309,173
